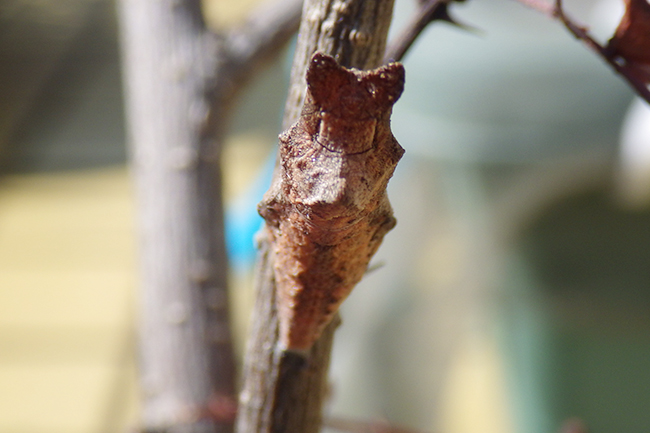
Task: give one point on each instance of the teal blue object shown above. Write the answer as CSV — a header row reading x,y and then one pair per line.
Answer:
x,y
242,220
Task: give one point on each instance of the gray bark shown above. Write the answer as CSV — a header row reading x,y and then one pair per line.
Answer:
x,y
186,358
282,391
180,81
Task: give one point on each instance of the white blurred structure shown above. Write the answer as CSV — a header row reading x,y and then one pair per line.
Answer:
x,y
635,155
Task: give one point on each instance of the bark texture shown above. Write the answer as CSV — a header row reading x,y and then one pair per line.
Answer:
x,y
284,391
180,81
185,355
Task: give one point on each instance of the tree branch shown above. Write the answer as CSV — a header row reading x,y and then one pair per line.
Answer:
x,y
179,80
283,392
580,32
260,38
430,10
186,358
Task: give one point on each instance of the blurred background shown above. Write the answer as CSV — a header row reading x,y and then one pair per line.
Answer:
x,y
512,296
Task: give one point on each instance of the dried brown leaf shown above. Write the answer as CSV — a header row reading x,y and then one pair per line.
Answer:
x,y
631,41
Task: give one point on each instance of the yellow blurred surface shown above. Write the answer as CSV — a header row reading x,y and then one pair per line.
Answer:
x,y
222,14
67,279
475,398
66,302
244,156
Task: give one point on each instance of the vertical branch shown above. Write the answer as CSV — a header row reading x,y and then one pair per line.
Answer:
x,y
283,392
185,353
180,82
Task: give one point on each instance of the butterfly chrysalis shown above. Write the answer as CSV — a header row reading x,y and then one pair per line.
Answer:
x,y
329,212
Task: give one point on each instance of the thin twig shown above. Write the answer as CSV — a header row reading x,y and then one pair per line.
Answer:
x,y
264,31
429,11
260,37
580,32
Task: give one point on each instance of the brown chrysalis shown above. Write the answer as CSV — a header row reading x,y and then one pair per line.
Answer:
x,y
329,212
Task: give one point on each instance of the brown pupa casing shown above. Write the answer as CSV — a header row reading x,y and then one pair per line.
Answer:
x,y
329,212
